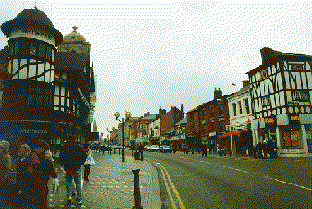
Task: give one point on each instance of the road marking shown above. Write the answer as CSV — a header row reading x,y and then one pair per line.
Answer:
x,y
289,183
167,188
173,187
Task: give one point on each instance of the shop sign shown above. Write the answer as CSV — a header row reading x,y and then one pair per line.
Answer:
x,y
292,151
33,131
294,120
270,121
212,134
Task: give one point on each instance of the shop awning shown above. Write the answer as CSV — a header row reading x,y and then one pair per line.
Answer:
x,y
231,133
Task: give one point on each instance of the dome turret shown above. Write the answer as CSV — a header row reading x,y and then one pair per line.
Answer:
x,y
36,19
74,42
74,37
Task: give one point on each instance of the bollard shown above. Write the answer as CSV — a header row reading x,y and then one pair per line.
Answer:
x,y
114,151
119,151
137,195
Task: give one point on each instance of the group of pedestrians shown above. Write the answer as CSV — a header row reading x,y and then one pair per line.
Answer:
x,y
267,149
35,166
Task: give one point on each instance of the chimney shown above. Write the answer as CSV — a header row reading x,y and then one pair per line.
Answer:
x,y
182,109
217,94
268,55
245,83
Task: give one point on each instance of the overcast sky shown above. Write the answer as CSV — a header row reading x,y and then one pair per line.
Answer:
x,y
151,54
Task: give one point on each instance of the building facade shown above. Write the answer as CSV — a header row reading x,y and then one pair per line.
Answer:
x,y
240,113
281,90
168,120
207,121
42,99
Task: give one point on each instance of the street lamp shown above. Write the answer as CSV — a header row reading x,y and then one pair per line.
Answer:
x,y
127,116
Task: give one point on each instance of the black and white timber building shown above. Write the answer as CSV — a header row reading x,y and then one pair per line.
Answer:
x,y
39,100
281,95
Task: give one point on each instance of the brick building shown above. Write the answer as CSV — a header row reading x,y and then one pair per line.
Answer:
x,y
169,119
207,121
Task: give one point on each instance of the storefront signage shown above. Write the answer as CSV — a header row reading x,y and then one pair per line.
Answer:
x,y
33,131
292,151
294,120
270,121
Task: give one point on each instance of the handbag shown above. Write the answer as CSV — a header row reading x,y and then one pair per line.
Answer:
x,y
90,160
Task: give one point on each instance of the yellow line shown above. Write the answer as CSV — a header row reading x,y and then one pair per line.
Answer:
x,y
168,189
174,189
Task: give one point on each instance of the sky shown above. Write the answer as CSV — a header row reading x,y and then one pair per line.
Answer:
x,y
152,54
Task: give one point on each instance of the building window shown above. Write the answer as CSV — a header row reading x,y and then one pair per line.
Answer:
x,y
291,138
33,49
296,67
42,51
49,53
23,49
234,109
301,95
240,107
266,101
247,106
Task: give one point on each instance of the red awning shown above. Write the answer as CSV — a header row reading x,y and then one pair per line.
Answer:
x,y
231,133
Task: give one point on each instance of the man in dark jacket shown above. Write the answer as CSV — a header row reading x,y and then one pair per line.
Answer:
x,y
40,171
72,157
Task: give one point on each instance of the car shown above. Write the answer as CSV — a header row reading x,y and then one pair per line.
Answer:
x,y
165,148
147,147
153,148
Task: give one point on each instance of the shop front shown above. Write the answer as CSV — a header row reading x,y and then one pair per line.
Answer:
x,y
290,132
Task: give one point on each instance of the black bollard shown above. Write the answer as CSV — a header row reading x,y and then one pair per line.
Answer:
x,y
137,195
119,151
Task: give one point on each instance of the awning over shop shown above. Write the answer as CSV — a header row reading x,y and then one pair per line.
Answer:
x,y
232,133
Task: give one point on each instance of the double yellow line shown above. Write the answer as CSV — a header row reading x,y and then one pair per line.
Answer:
x,y
166,178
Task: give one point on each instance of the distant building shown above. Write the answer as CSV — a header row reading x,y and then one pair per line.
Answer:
x,y
168,120
140,129
207,121
281,95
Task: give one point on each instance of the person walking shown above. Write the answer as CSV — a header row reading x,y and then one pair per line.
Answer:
x,y
72,157
87,164
40,170
6,169
23,177
204,150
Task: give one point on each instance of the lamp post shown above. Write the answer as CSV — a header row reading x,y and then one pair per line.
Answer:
x,y
123,120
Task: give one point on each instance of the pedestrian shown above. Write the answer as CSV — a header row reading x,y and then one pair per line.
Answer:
x,y
72,157
7,177
40,170
23,177
204,150
87,164
141,149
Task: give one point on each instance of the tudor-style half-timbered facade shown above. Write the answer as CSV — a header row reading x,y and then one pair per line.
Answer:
x,y
46,92
281,94
27,107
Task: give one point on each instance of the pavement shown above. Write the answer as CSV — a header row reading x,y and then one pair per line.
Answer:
x,y
111,185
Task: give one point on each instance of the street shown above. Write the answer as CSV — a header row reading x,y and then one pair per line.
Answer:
x,y
193,181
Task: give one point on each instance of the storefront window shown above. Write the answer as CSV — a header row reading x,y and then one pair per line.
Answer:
x,y
291,138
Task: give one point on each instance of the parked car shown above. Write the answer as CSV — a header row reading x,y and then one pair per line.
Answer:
x,y
165,148
153,148
147,147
